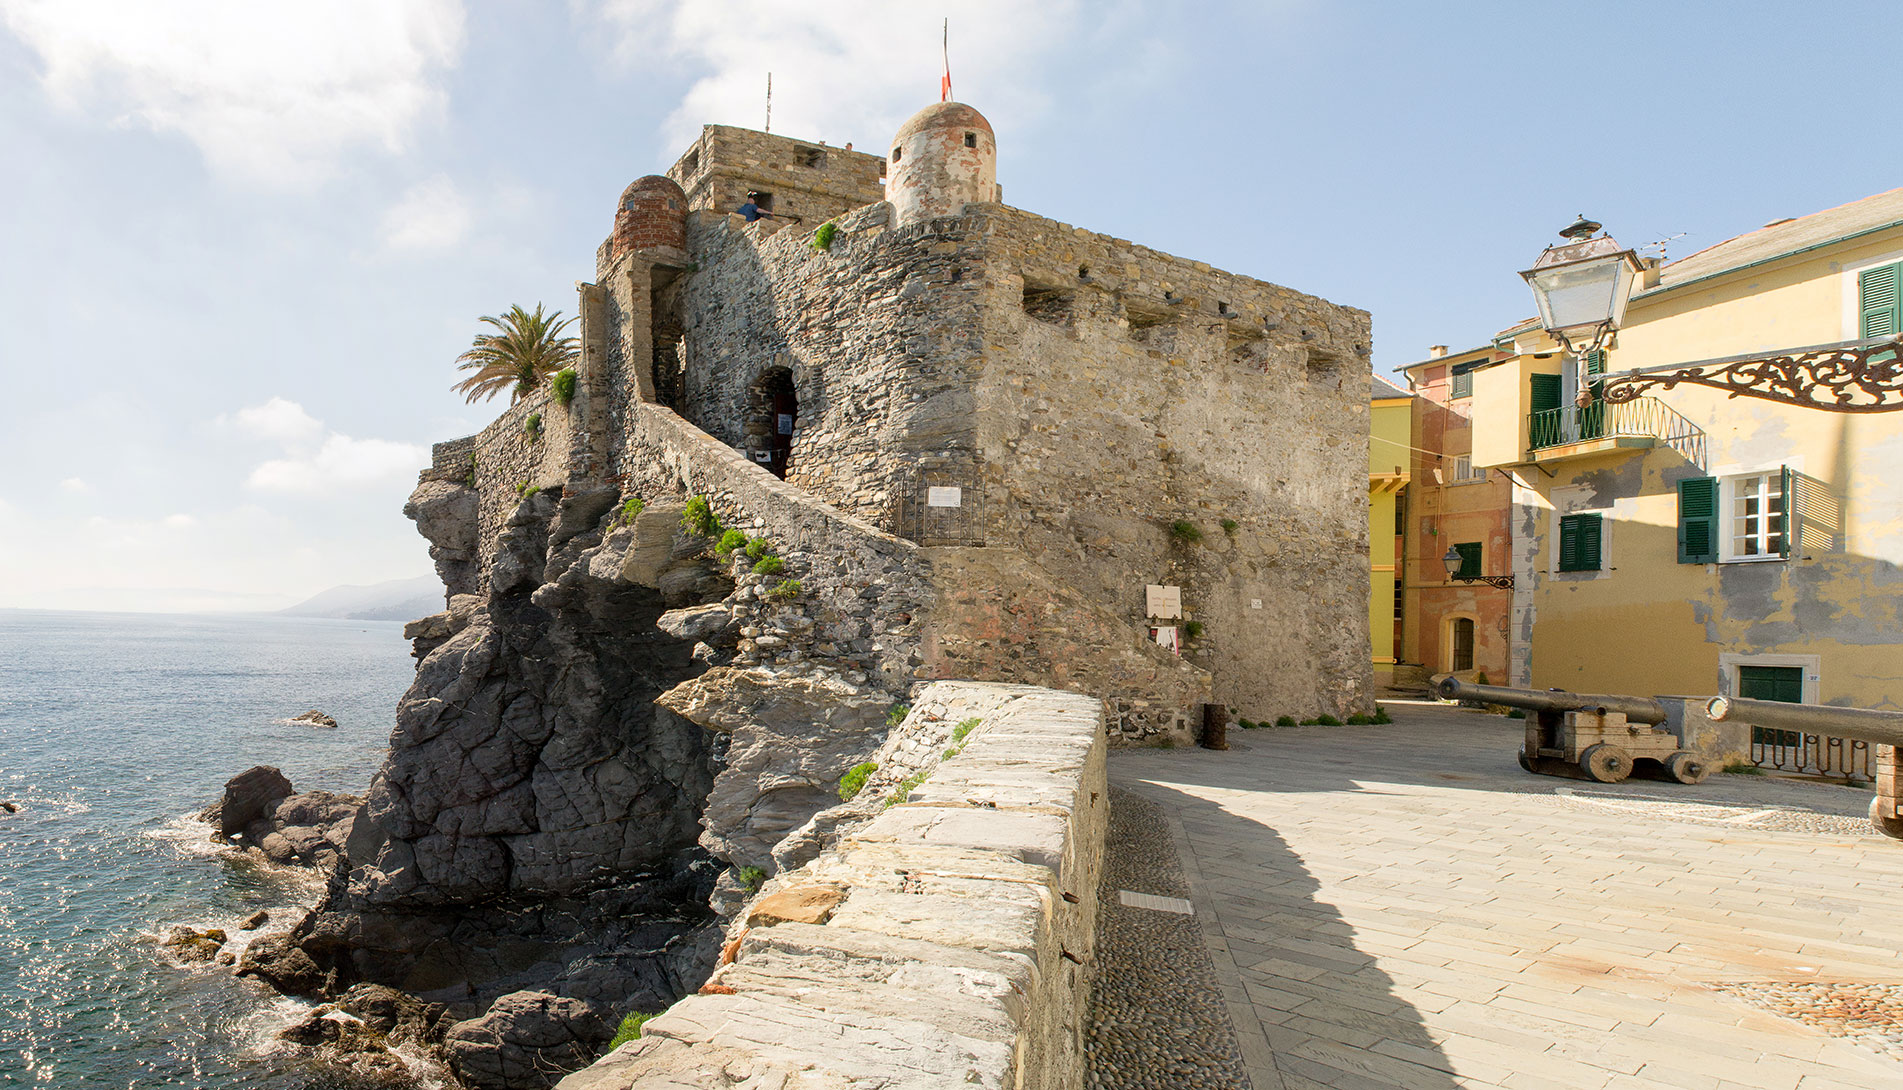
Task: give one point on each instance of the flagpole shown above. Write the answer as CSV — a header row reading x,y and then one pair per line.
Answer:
x,y
944,91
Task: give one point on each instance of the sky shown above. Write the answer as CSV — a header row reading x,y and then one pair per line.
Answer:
x,y
242,244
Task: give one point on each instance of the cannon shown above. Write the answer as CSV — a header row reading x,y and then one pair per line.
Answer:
x,y
1882,729
1589,735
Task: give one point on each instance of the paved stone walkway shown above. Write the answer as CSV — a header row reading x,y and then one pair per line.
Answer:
x,y
1401,906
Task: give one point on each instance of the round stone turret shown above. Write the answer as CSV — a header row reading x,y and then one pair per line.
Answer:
x,y
652,216
943,157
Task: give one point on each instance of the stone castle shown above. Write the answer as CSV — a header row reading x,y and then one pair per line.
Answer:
x,y
975,443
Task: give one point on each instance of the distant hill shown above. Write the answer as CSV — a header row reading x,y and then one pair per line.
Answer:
x,y
396,600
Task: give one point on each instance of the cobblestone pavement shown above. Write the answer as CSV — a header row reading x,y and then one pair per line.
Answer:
x,y
1157,1018
1401,906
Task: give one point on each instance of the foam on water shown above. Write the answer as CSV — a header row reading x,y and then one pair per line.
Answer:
x,y
115,730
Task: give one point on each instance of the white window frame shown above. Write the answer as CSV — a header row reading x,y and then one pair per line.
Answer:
x,y
1464,471
1728,501
1728,677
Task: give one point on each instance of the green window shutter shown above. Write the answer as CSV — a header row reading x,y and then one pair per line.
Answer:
x,y
1545,393
1698,521
1596,362
1880,315
1579,548
1462,383
1469,560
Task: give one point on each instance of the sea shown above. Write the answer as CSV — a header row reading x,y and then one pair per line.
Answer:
x,y
115,730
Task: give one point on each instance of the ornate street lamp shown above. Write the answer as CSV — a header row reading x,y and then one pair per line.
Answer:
x,y
1582,286
1453,561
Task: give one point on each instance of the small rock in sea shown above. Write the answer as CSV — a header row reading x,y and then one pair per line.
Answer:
x,y
255,920
315,718
10,807
190,944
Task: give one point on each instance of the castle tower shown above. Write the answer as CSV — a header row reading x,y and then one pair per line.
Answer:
x,y
943,157
652,215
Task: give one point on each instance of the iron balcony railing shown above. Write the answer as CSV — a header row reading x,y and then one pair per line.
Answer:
x,y
1645,417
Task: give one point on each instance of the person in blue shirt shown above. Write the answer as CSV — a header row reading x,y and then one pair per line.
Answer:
x,y
752,209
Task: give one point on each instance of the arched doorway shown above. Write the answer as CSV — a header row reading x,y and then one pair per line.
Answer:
x,y
1460,644
775,410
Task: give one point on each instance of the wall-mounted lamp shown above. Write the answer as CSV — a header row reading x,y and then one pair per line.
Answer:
x,y
1454,561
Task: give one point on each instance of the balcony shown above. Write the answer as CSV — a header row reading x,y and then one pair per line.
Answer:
x,y
1576,431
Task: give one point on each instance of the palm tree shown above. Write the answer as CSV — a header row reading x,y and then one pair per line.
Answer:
x,y
526,350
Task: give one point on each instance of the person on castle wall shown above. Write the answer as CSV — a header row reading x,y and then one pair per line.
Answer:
x,y
752,209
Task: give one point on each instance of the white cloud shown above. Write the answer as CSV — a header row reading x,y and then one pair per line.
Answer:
x,y
271,92
280,420
75,484
848,71
430,216
180,521
341,463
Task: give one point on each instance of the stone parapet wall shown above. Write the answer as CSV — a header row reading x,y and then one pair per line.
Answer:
x,y
508,462
807,179
945,939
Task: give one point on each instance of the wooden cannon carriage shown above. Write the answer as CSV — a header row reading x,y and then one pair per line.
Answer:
x,y
1589,736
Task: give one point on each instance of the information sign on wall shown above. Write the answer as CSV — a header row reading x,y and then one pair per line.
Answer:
x,y
1162,601
944,496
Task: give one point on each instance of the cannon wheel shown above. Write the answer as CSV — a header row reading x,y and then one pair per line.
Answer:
x,y
1526,763
1687,767
1606,763
1888,826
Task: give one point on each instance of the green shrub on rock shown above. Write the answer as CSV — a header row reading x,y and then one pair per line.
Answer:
x,y
631,510
1327,721
823,237
769,565
896,714
630,1029
1185,531
854,780
1284,720
1381,715
784,591
758,548
752,878
698,518
563,386
729,541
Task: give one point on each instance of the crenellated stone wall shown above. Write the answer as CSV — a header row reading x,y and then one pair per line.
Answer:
x,y
944,938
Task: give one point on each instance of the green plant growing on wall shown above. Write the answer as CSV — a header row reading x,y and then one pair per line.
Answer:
x,y
631,510
1185,531
757,548
1285,721
784,591
698,519
903,791
854,780
1193,630
563,386
469,479
959,734
823,237
524,490
1230,526
729,541
1381,715
769,565
532,427
630,1029
752,878
896,714
1244,723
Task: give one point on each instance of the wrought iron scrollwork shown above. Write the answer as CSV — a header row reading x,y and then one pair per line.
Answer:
x,y
1859,377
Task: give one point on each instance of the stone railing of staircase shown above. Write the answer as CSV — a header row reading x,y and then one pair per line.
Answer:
x,y
945,940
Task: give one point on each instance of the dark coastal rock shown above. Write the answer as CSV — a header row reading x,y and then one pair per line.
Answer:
x,y
396,1015
255,920
281,963
247,796
9,807
345,1039
526,1041
315,718
192,945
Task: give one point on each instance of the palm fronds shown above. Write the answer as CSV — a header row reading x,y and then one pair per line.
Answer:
x,y
523,352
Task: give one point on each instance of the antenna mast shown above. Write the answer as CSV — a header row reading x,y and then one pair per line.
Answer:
x,y
769,102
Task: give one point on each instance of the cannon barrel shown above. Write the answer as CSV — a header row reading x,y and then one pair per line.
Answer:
x,y
1863,724
1636,709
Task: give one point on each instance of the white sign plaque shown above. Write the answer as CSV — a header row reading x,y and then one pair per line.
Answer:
x,y
1162,601
940,495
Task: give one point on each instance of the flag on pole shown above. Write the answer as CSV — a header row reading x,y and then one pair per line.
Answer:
x,y
944,84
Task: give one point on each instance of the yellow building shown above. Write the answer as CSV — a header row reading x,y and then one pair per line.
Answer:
x,y
1691,541
1390,423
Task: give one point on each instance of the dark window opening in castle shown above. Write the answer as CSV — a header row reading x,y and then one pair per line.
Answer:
x,y
895,154
971,139
776,413
690,163
815,159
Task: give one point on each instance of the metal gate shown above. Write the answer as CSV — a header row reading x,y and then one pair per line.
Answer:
x,y
942,505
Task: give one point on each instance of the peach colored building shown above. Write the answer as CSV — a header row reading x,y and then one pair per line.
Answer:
x,y
1450,626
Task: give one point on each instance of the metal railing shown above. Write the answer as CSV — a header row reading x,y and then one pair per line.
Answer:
x,y
1642,416
1815,754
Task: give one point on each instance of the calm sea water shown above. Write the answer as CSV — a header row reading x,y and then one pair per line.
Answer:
x,y
113,728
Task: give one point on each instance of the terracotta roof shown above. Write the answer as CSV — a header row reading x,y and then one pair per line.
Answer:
x,y
1384,389
1785,238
